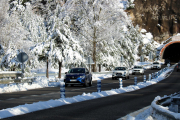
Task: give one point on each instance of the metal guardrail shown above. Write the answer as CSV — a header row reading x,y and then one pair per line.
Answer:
x,y
10,74
11,77
164,113
17,81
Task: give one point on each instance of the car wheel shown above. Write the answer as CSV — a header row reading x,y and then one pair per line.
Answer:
x,y
177,70
128,77
90,82
113,78
85,83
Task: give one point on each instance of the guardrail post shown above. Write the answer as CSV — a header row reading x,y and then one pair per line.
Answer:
x,y
135,80
152,75
62,90
98,85
120,83
144,78
149,77
159,73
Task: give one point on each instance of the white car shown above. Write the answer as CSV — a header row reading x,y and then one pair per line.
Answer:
x,y
120,72
156,65
138,69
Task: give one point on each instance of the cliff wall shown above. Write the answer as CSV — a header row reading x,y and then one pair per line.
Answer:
x,y
160,17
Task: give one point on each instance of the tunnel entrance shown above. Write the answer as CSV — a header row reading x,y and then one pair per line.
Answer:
x,y
172,53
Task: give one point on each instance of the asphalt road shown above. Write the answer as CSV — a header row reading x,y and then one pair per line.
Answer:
x,y
107,108
8,100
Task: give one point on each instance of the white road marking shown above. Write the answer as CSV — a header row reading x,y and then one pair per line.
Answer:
x,y
34,95
24,97
11,99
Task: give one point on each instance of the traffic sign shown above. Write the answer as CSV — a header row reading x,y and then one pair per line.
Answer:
x,y
89,60
22,57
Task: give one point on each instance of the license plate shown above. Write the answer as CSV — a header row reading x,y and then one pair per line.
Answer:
x,y
73,80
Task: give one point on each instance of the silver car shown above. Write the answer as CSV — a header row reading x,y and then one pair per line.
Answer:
x,y
120,72
138,69
156,65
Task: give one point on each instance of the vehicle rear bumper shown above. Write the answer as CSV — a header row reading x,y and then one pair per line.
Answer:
x,y
74,81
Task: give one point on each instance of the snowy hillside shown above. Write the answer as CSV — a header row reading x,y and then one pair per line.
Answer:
x,y
68,33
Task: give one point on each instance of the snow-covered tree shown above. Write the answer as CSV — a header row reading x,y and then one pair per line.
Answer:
x,y
98,23
9,60
59,46
130,4
12,35
64,30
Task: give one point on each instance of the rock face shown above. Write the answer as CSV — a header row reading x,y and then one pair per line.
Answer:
x,y
160,17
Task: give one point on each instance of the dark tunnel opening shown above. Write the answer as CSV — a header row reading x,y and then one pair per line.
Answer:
x,y
172,53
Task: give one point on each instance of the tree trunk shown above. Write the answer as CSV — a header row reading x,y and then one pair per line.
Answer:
x,y
99,67
47,70
60,65
94,56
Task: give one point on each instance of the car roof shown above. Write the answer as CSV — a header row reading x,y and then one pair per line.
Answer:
x,y
120,66
138,66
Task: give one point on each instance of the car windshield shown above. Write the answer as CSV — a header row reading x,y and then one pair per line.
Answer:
x,y
77,70
120,68
137,67
156,63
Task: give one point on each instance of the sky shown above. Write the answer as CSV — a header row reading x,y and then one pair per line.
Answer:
x,y
41,82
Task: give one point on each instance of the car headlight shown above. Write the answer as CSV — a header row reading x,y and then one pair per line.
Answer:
x,y
82,77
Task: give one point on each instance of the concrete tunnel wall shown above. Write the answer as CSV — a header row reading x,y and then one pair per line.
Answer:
x,y
171,51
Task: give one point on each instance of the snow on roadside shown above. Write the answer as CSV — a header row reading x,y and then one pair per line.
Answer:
x,y
27,108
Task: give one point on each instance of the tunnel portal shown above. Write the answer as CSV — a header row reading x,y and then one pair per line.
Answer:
x,y
172,52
